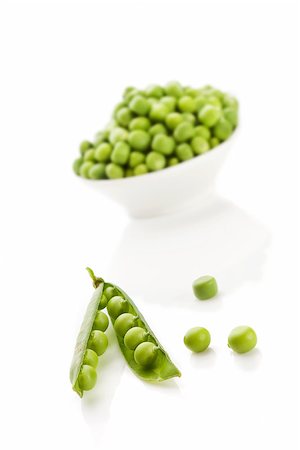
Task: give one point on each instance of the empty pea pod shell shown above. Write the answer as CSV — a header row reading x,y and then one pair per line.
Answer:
x,y
83,337
163,368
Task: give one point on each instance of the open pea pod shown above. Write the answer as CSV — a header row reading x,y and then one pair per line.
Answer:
x,y
163,368
83,337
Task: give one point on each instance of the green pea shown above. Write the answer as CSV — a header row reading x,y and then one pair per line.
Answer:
x,y
242,339
90,358
85,169
103,152
158,128
114,171
163,144
189,117
190,91
199,145
231,115
187,104
200,101
145,354
116,306
154,91
97,172
203,131
119,106
229,101
169,102
134,337
118,134
103,302
173,161
222,130
110,292
139,105
139,139
184,132
155,161
158,112
98,342
213,100
184,152
174,89
173,119
124,116
140,123
197,339
135,159
213,142
129,90
205,287
89,155
101,321
84,146
120,153
77,164
141,169
209,115
87,378
129,172
124,322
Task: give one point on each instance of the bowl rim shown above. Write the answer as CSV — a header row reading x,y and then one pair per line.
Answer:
x,y
157,173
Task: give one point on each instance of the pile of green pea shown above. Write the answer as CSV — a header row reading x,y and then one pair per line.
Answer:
x,y
158,127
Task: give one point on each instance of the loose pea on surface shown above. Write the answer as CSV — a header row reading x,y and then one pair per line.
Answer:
x,y
124,322
134,337
145,354
90,358
205,287
87,378
98,342
117,306
197,339
242,339
101,321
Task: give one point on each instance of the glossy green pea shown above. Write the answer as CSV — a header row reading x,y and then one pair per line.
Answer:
x,y
128,90
213,100
101,136
110,292
90,358
139,105
184,152
209,115
199,145
117,306
77,164
124,116
205,287
140,123
85,168
214,142
183,132
231,115
200,101
229,101
191,92
97,172
202,131
139,140
173,161
242,339
170,102
155,161
154,91
101,321
173,120
135,159
163,144
223,129
124,322
84,146
118,134
141,169
189,117
114,171
197,339
103,152
145,354
129,172
134,337
187,104
98,342
158,112
120,153
103,302
87,378
89,155
174,89
158,128
119,106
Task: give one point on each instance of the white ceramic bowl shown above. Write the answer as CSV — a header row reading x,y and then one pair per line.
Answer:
x,y
167,190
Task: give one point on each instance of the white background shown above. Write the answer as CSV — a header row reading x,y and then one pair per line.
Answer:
x,y
63,67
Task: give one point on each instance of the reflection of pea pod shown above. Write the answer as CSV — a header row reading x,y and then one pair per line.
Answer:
x,y
91,343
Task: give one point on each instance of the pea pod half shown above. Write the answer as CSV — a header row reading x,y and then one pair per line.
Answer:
x,y
140,347
91,343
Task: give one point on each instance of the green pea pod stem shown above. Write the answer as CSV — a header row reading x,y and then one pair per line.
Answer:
x,y
84,334
164,367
